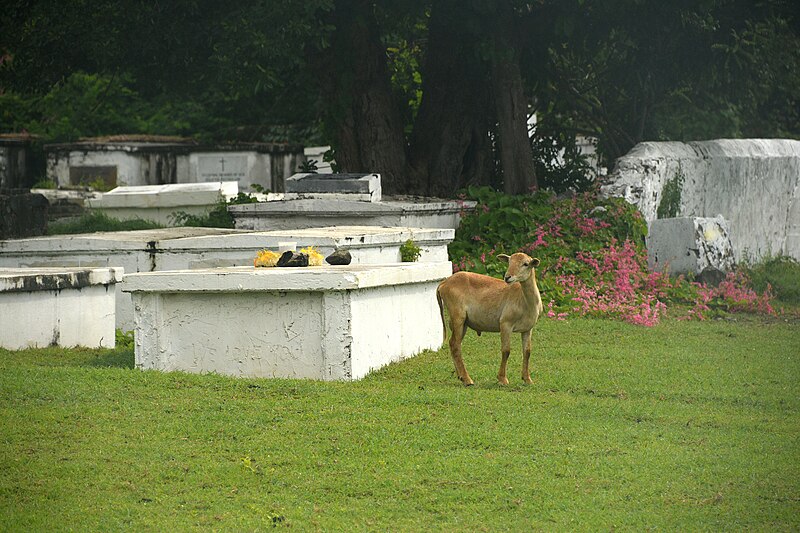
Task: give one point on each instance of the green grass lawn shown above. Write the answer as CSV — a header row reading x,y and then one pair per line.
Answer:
x,y
685,426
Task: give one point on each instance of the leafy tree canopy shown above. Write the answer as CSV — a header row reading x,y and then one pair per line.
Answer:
x,y
435,95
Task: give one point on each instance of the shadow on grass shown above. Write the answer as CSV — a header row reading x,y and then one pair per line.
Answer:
x,y
120,358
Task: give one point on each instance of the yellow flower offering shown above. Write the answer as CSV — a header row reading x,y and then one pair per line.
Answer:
x,y
266,258
314,257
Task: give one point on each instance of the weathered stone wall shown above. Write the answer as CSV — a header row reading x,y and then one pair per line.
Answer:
x,y
22,214
753,183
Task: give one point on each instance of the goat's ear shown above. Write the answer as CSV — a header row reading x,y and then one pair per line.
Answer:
x,y
503,257
535,261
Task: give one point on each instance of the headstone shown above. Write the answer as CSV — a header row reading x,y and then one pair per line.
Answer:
x,y
221,167
131,160
690,245
359,187
318,212
753,183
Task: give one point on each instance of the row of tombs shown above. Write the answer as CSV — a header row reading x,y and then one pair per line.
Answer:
x,y
197,303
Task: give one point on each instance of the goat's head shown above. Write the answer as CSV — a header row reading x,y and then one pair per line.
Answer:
x,y
520,266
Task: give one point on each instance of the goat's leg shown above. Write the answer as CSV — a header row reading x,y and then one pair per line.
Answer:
x,y
457,330
505,349
526,356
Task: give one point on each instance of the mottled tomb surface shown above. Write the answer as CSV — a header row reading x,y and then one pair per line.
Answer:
x,y
753,183
57,306
327,323
193,248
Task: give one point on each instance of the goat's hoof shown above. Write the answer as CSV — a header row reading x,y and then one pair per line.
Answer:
x,y
527,381
503,381
469,384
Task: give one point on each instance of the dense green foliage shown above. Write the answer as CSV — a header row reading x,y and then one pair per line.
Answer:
x,y
182,67
781,274
630,71
540,224
683,427
593,258
296,71
93,221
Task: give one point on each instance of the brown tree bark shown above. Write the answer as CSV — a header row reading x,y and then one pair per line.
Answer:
x,y
450,146
360,110
471,105
516,159
511,108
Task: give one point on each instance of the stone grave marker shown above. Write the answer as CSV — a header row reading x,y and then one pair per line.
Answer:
x,y
698,245
221,167
359,187
325,323
57,306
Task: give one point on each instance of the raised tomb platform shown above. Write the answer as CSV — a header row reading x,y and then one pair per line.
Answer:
x,y
130,160
316,200
199,248
326,323
160,203
57,306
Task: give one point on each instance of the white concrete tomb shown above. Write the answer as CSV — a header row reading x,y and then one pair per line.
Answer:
x,y
318,212
57,306
195,248
326,323
160,203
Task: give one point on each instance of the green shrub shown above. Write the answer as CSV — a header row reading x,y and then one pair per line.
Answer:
x,y
93,221
218,217
594,260
540,224
781,274
409,251
123,340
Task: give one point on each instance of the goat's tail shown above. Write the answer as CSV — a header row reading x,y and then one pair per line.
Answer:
x,y
441,314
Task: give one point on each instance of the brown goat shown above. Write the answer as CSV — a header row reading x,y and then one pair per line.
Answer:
x,y
484,303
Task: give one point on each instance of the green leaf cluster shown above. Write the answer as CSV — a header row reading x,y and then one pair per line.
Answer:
x,y
93,221
545,226
409,251
502,223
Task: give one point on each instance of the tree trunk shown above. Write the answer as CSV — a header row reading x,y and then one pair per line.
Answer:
x,y
450,145
361,113
516,158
